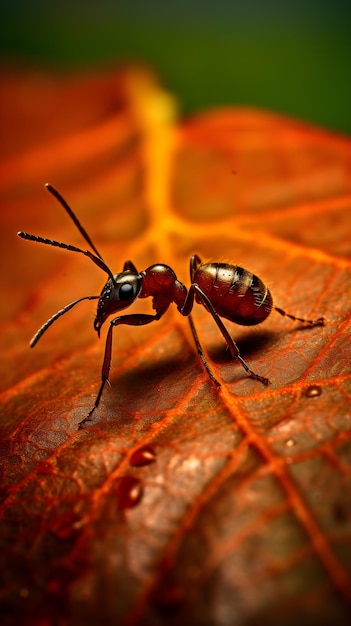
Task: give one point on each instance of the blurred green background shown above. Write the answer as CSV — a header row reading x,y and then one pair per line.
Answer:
x,y
289,57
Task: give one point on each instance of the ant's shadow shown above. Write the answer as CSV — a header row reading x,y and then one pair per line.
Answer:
x,y
156,374
249,345
153,375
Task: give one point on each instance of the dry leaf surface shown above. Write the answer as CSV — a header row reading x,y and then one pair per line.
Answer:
x,y
178,504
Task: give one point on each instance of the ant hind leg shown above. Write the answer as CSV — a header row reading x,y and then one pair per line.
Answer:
x,y
317,322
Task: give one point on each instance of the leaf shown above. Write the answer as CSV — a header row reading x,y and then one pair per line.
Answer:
x,y
241,512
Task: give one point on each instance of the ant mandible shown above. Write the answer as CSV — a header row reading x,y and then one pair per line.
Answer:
x,y
224,290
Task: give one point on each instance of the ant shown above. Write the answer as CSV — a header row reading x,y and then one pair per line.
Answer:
x,y
224,290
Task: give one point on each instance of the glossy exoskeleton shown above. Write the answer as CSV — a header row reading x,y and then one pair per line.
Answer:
x,y
226,291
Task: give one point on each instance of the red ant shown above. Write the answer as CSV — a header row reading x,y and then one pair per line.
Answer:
x,y
224,290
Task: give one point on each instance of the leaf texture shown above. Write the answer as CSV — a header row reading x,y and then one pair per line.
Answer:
x,y
178,503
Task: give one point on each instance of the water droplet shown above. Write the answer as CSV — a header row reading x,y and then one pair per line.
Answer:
x,y
313,391
290,443
130,491
143,456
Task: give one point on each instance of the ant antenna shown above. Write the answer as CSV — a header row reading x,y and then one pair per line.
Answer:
x,y
54,317
96,258
73,217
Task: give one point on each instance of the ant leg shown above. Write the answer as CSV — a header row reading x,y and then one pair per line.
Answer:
x,y
201,354
137,319
317,322
128,265
195,261
186,311
233,348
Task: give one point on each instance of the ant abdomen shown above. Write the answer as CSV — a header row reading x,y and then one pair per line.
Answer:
x,y
235,293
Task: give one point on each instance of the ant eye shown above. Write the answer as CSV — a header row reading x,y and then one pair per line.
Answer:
x,y
126,291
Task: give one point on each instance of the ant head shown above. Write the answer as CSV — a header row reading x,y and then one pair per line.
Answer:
x,y
117,295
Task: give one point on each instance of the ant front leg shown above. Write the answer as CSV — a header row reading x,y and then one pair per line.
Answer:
x,y
233,348
136,319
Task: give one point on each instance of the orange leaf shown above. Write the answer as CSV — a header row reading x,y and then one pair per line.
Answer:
x,y
178,504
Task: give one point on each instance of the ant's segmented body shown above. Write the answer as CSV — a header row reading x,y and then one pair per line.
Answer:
x,y
226,291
